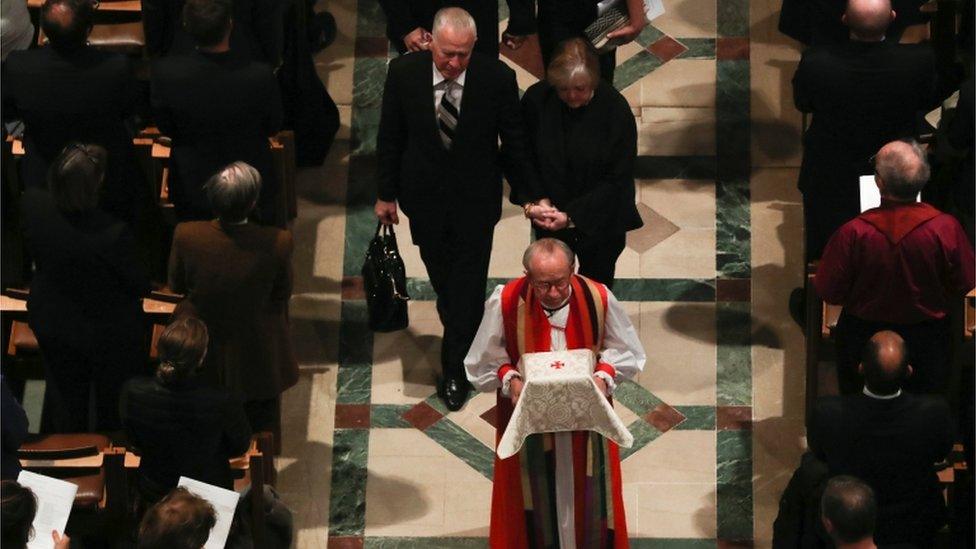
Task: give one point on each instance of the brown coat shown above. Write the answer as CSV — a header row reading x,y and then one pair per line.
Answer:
x,y
237,279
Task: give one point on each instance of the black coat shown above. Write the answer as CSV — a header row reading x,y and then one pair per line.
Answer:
x,y
892,445
585,157
81,96
217,109
462,186
255,35
189,430
88,281
403,16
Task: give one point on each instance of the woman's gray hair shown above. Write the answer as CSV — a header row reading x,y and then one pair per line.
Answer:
x,y
572,58
233,191
455,18
547,246
904,168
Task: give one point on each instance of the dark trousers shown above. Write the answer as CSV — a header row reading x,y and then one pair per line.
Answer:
x,y
457,263
597,255
928,352
564,19
824,211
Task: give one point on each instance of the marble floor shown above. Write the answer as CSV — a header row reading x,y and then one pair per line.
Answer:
x,y
370,456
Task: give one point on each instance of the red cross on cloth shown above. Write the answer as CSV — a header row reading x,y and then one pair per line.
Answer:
x,y
557,365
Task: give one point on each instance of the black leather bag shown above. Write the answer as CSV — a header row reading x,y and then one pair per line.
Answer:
x,y
385,282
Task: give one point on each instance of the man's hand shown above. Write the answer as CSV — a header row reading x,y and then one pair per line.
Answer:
x,y
417,40
513,41
552,221
515,389
631,30
386,212
601,384
60,542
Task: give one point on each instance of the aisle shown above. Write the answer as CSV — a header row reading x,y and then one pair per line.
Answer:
x,y
371,458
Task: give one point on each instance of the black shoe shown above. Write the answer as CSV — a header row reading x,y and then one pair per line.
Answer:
x,y
454,393
798,307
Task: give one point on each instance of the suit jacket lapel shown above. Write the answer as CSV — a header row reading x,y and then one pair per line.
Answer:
x,y
425,90
471,103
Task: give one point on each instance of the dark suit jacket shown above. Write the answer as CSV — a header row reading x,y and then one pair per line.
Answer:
x,y
188,430
88,280
892,445
403,16
464,185
818,22
861,95
13,422
254,35
81,96
237,279
217,109
585,157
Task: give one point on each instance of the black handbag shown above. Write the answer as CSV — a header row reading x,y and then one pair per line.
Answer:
x,y
385,282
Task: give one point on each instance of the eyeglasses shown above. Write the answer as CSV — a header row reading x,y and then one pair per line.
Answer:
x,y
546,286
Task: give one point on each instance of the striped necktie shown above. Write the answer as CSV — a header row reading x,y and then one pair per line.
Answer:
x,y
447,114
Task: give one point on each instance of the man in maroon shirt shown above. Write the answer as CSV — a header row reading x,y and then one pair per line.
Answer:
x,y
897,267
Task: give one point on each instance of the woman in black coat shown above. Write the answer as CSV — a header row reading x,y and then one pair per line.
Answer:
x,y
584,142
181,426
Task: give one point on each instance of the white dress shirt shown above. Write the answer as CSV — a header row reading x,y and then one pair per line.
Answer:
x,y
439,90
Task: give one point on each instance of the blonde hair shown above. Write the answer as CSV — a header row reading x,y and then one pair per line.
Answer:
x,y
572,58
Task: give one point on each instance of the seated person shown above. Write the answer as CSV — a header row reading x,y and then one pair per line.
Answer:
x,y
218,109
181,426
68,91
181,520
897,267
889,438
237,278
847,510
18,505
84,304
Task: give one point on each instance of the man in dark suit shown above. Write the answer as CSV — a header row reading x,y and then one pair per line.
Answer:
x,y
861,94
890,439
70,92
437,149
218,109
408,22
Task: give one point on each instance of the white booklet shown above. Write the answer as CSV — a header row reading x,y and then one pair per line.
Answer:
x,y
54,500
224,502
870,195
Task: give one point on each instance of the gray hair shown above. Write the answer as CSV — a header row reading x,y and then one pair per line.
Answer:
x,y
547,246
572,58
904,169
455,18
233,191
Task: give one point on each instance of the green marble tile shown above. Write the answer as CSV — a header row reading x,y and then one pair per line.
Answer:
x,y
674,167
426,543
365,125
664,289
354,385
360,229
371,21
697,418
347,504
734,484
635,397
361,187
733,457
355,337
421,290
733,354
734,503
436,403
733,17
644,434
648,36
698,48
388,416
732,104
671,543
460,443
733,233
369,77
635,68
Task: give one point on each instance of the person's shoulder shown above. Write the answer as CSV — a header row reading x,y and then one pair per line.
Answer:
x,y
410,61
932,406
22,59
189,230
609,94
538,92
139,385
829,407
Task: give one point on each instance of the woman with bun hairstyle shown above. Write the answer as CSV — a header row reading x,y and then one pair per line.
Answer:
x,y
179,425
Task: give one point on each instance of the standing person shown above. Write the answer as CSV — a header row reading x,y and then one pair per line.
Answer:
x,y
561,20
218,108
409,22
84,305
584,142
897,267
551,309
443,114
237,279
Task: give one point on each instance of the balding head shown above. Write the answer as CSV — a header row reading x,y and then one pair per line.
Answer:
x,y
902,170
868,19
67,23
884,363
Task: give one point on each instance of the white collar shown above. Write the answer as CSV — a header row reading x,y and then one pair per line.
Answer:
x,y
867,392
438,77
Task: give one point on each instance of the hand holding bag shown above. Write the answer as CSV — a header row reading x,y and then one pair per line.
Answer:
x,y
385,282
